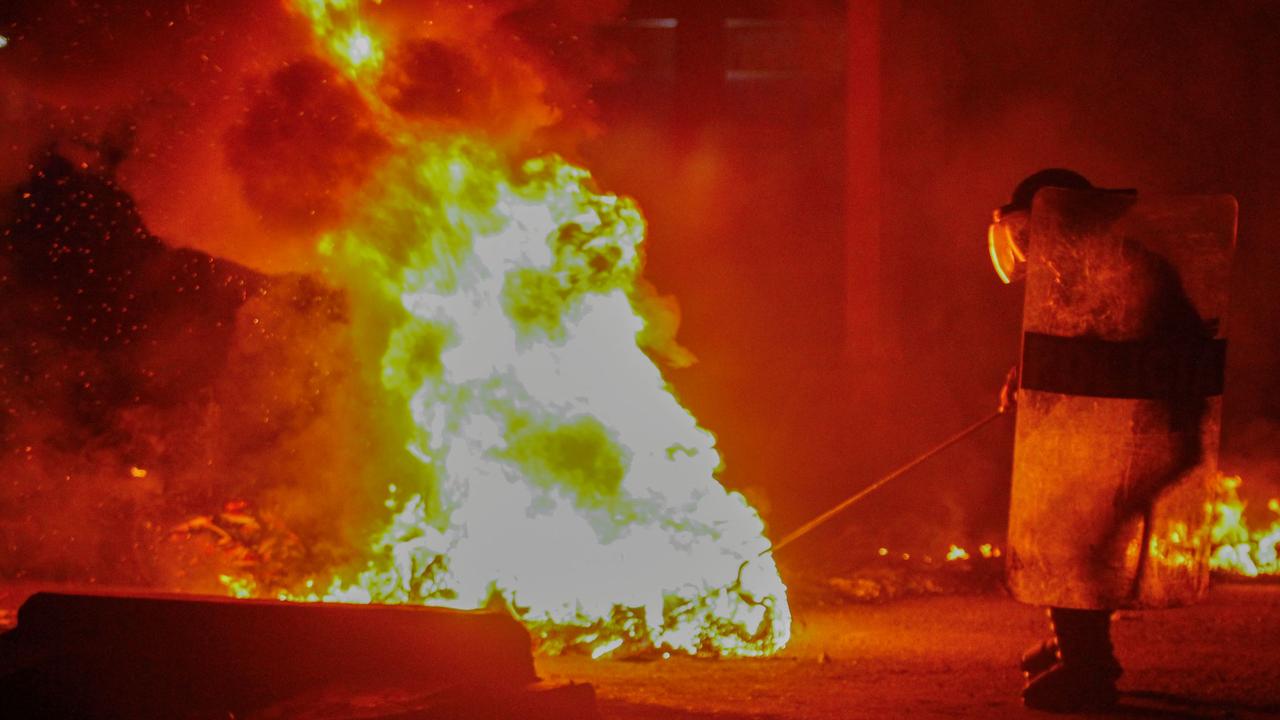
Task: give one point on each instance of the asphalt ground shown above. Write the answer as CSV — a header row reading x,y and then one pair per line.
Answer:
x,y
943,656
956,657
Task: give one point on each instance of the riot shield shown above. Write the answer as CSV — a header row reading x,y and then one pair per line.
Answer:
x,y
1119,403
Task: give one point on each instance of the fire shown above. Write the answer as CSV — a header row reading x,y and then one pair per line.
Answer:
x,y
359,48
558,470
1239,549
555,473
338,25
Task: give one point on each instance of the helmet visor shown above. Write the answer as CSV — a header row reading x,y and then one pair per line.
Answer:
x,y
1004,240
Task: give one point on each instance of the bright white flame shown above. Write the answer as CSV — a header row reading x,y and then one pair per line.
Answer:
x,y
559,472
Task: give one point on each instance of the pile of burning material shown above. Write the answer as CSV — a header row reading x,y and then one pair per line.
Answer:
x,y
103,656
497,295
1241,551
883,575
246,543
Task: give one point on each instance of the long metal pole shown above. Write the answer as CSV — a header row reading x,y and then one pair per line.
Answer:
x,y
853,499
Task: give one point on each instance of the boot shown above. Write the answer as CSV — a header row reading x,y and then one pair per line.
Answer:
x,y
1084,671
1064,689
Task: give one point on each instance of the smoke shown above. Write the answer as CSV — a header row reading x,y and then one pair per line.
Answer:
x,y
171,74
227,126
305,144
980,95
142,385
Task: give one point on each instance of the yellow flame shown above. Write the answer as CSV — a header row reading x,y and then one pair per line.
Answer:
x,y
1238,549
957,553
239,587
338,25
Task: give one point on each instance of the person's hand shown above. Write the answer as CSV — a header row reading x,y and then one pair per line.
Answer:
x,y
1009,393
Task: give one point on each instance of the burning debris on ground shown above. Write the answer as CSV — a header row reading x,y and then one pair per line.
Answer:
x,y
883,576
1240,548
1241,551
551,315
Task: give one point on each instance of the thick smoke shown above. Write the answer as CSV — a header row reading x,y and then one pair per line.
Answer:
x,y
201,93
174,368
306,143
143,384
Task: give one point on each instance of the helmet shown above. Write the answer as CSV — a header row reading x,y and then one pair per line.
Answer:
x,y
1008,234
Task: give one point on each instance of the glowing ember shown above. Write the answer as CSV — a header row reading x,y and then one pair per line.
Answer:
x,y
1238,549
954,554
556,473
